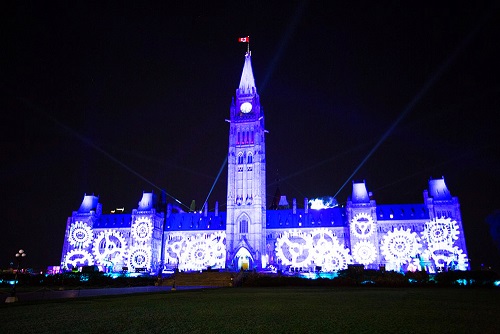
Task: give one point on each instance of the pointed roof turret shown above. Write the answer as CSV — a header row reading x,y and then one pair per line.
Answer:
x,y
359,193
438,190
276,199
89,203
247,82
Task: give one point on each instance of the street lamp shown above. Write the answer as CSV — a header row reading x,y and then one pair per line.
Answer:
x,y
19,256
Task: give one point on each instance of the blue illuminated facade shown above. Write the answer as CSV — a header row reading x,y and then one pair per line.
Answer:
x,y
158,236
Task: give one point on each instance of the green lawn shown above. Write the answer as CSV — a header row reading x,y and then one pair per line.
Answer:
x,y
265,310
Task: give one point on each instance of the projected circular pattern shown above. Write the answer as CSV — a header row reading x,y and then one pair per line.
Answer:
x,y
364,252
317,248
218,245
400,246
140,258
175,245
204,250
362,226
80,235
448,256
293,248
142,230
328,252
441,230
109,246
78,258
196,252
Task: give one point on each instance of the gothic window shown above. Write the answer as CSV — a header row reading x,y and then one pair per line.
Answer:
x,y
249,159
238,141
243,226
240,159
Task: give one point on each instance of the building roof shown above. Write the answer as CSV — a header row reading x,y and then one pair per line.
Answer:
x,y
402,212
192,221
123,220
275,219
331,217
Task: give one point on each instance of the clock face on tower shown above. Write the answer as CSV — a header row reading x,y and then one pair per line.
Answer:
x,y
246,107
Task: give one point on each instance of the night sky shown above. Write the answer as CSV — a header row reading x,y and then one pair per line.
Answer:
x,y
117,100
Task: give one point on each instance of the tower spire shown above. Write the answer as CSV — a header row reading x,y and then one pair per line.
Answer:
x,y
246,176
247,82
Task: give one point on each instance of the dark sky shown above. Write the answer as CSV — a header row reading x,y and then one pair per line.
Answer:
x,y
117,100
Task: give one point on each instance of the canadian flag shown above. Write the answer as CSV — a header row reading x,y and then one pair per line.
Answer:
x,y
244,39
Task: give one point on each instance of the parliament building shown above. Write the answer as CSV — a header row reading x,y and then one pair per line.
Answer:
x,y
253,235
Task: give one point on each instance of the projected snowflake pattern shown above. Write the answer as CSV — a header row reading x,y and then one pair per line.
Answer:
x,y
196,252
109,247
328,252
140,258
400,246
362,226
142,230
80,235
78,258
441,230
364,252
292,248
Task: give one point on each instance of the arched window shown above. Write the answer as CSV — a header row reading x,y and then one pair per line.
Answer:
x,y
249,159
240,159
244,226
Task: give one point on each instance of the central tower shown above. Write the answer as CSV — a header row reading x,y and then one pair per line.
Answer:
x,y
246,180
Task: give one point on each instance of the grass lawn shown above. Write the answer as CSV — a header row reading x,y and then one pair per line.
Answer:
x,y
265,310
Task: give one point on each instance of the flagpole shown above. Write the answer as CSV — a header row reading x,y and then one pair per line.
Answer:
x,y
245,40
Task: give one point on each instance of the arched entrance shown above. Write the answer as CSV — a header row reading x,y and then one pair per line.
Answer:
x,y
244,259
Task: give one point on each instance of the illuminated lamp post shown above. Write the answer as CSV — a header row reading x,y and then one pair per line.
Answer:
x,y
13,298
